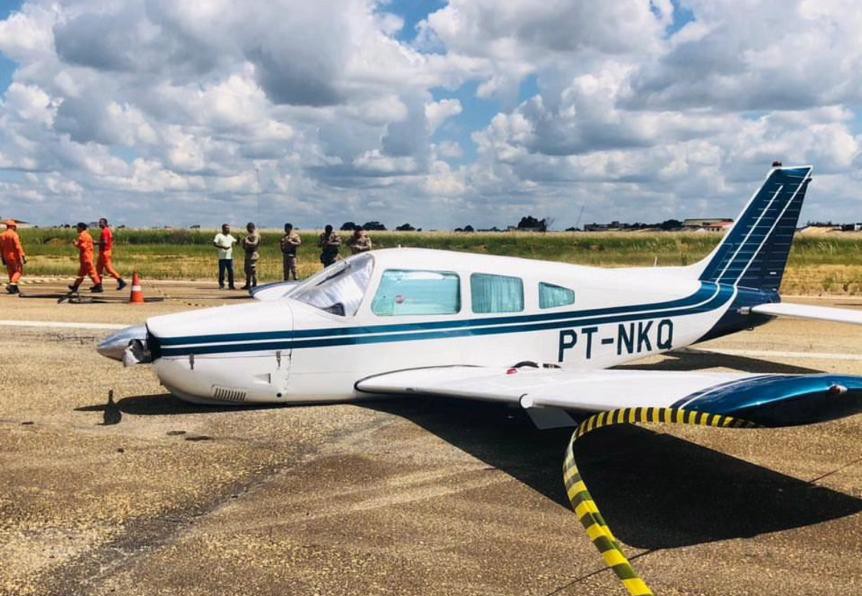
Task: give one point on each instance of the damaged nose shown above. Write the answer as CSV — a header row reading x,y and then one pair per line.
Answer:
x,y
128,346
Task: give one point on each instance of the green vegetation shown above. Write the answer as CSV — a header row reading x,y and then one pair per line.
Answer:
x,y
818,264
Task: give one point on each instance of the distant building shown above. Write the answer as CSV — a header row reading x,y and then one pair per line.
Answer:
x,y
709,224
614,226
815,229
21,224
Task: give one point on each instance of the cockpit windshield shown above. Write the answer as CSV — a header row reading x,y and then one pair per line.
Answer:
x,y
338,289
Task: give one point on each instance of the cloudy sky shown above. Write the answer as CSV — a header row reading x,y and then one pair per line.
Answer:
x,y
437,113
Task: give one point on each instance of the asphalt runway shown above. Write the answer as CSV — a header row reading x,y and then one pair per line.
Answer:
x,y
148,495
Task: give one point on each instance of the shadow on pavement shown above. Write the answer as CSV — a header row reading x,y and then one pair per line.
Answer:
x,y
656,491
167,404
698,360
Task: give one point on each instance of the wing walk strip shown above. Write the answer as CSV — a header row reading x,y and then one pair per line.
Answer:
x,y
582,502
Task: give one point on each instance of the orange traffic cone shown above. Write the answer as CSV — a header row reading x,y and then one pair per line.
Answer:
x,y
137,295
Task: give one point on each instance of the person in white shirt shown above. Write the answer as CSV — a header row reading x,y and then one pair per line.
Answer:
x,y
224,243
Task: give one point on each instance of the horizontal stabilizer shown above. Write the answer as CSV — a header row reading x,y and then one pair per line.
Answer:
x,y
805,311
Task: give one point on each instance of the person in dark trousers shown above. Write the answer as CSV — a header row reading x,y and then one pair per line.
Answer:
x,y
224,243
290,242
329,243
251,244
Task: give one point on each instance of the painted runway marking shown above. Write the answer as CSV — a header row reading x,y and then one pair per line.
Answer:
x,y
60,325
773,354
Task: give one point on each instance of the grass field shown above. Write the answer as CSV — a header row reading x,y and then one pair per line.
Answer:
x,y
818,265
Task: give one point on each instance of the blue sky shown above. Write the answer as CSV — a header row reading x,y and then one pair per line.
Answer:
x,y
412,11
472,112
476,111
7,67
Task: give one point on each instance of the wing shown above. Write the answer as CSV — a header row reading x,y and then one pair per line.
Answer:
x,y
805,311
769,400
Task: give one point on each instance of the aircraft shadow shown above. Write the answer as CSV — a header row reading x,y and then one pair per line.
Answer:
x,y
698,360
167,404
656,491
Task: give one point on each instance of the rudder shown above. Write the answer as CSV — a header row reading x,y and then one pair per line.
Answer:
x,y
754,253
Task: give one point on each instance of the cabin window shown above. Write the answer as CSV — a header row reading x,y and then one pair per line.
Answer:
x,y
339,288
404,292
551,296
496,293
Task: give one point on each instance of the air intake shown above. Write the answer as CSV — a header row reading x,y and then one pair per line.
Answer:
x,y
225,394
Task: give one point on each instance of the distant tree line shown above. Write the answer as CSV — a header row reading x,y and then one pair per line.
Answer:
x,y
349,226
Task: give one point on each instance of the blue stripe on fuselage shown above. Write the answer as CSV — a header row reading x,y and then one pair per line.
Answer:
x,y
705,292
709,297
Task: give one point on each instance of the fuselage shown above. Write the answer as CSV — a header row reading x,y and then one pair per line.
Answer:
x,y
406,308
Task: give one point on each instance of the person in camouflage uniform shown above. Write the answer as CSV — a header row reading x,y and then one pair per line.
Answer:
x,y
289,243
251,244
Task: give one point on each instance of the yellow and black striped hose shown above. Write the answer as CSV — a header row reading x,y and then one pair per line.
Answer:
x,y
583,504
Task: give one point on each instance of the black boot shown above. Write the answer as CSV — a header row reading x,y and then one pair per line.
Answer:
x,y
121,284
97,289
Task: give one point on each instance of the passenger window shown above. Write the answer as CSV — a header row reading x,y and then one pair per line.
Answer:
x,y
496,293
403,292
551,296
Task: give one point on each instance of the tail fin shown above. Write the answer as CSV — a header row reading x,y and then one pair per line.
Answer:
x,y
754,252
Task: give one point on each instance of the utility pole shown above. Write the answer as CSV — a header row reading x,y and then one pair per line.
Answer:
x,y
580,214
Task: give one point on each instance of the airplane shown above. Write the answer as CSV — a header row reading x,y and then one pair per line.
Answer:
x,y
538,335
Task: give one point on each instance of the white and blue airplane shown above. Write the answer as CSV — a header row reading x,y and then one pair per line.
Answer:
x,y
532,333
535,334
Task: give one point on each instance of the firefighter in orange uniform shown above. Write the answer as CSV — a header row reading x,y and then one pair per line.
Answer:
x,y
106,247
84,244
12,254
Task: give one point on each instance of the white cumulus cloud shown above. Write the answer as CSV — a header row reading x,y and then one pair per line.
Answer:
x,y
163,112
